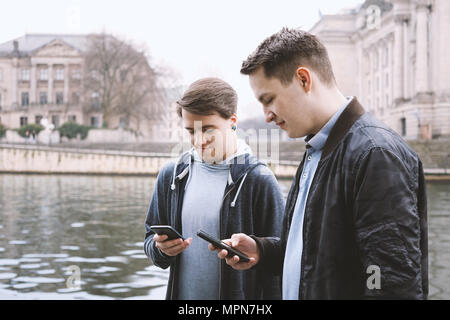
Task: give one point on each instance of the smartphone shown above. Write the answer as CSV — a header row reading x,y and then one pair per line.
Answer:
x,y
222,245
167,230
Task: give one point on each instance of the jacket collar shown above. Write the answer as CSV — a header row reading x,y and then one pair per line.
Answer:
x,y
351,113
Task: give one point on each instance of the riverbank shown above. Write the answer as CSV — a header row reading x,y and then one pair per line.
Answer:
x,y
138,160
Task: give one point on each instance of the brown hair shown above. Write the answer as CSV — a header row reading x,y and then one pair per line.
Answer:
x,y
281,54
209,95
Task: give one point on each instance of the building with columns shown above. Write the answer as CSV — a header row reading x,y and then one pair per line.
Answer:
x,y
41,76
394,55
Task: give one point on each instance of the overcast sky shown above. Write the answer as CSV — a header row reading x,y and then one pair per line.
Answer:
x,y
196,38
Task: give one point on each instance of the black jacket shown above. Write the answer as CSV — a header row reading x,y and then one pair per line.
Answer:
x,y
366,207
257,209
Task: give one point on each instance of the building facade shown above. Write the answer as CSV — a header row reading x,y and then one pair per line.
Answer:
x,y
41,76
394,55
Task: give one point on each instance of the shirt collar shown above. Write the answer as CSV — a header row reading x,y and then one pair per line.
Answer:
x,y
318,140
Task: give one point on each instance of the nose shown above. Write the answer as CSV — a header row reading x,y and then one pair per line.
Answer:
x,y
269,116
200,139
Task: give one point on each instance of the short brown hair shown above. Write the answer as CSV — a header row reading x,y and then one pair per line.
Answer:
x,y
281,54
209,95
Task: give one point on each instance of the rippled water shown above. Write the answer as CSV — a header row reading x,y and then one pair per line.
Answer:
x,y
52,223
48,223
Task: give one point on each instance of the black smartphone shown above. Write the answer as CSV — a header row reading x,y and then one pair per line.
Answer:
x,y
222,245
167,230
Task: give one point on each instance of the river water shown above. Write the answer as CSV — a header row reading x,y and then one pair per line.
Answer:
x,y
81,237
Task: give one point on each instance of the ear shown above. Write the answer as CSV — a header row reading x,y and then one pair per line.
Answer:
x,y
303,76
234,119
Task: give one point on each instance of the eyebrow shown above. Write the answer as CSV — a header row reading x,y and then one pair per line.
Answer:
x,y
203,127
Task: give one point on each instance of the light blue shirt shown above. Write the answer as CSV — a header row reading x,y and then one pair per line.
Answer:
x,y
293,256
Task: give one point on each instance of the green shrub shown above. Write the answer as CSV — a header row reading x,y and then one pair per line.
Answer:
x,y
2,130
72,129
30,127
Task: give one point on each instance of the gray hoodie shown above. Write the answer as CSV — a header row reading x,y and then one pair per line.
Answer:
x,y
252,203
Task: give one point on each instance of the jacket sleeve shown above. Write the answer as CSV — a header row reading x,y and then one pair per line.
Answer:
x,y
387,220
271,255
269,204
158,213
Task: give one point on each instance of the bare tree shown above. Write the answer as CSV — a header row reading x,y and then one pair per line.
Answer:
x,y
119,80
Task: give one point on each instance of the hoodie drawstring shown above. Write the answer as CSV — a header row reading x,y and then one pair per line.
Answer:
x,y
182,174
233,203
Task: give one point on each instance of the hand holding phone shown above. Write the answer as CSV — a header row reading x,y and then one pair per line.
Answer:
x,y
167,230
222,245
169,241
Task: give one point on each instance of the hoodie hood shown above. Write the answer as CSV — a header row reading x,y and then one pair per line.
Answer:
x,y
241,163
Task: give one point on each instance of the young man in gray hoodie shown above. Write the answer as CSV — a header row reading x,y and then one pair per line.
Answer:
x,y
217,186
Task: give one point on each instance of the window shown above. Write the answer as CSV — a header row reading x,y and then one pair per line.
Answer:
x,y
403,126
387,80
25,99
43,98
123,75
75,98
375,61
76,74
37,119
0,101
94,122
44,74
23,121
55,120
25,75
59,74
59,97
386,56
72,118
1,74
95,100
123,122
95,75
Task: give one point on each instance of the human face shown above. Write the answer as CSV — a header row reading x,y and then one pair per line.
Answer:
x,y
211,135
288,106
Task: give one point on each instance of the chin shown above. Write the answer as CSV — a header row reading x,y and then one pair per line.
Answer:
x,y
208,154
293,134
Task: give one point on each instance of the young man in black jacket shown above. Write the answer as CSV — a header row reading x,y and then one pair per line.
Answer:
x,y
356,217
220,187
